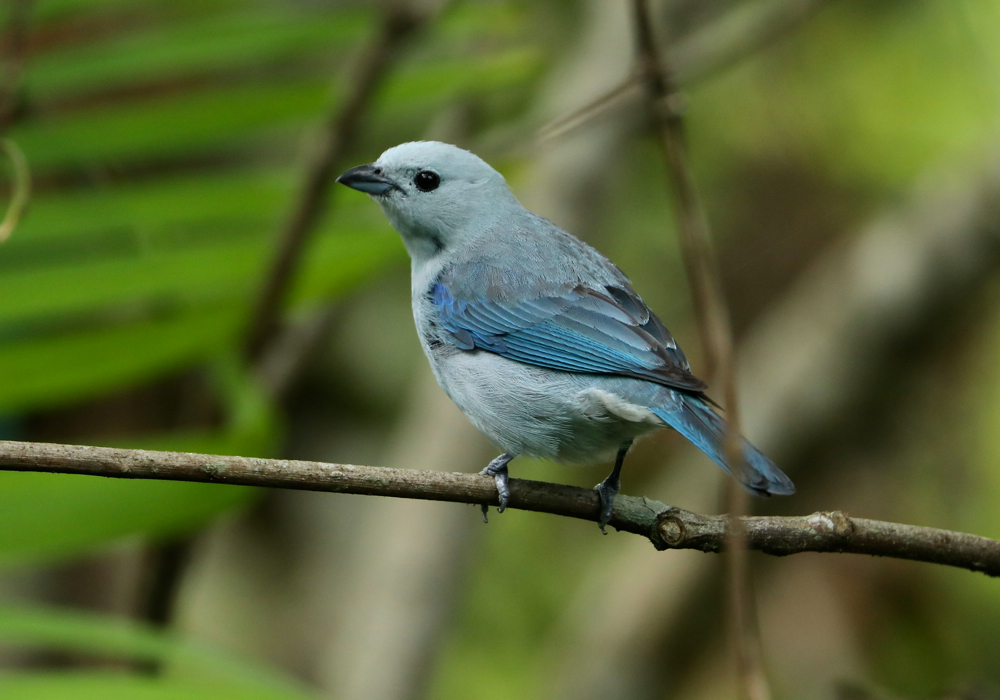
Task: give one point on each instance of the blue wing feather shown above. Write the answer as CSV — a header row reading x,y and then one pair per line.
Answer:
x,y
608,330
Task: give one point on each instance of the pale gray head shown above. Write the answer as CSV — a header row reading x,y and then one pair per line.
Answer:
x,y
435,194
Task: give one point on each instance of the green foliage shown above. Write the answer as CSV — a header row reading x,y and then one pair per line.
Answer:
x,y
166,143
46,516
113,280
97,685
189,670
241,38
865,95
168,138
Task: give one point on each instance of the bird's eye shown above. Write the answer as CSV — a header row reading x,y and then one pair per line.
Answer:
x,y
427,181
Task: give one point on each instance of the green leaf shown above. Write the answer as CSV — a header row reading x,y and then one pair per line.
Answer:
x,y
233,116
170,126
140,211
83,10
210,273
97,685
188,665
47,516
63,368
205,292
191,45
181,242
339,259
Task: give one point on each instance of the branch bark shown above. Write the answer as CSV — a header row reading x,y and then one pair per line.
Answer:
x,y
665,526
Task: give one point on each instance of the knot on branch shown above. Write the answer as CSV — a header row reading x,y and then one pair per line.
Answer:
x,y
669,529
675,528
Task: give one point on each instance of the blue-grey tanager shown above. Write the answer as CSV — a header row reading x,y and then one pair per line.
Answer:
x,y
539,339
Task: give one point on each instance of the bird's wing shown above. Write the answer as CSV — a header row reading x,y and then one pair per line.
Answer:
x,y
573,328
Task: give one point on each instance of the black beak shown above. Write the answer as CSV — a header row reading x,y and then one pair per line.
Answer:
x,y
368,179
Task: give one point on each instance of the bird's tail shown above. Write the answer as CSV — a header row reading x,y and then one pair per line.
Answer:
x,y
693,418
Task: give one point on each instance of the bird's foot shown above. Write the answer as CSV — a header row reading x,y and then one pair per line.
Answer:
x,y
607,490
498,470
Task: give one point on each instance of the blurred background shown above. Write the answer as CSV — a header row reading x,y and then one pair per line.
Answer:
x,y
847,155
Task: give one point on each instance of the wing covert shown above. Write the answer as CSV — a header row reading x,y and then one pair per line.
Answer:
x,y
573,328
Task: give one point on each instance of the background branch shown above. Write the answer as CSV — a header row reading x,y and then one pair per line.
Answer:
x,y
865,349
275,354
666,527
725,42
15,54
809,363
399,23
21,188
715,329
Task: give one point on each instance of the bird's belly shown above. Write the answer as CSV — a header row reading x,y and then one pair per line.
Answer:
x,y
544,413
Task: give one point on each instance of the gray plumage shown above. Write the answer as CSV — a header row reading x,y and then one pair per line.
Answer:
x,y
539,339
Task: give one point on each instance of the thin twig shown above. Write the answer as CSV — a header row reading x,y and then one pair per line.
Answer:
x,y
738,34
398,24
276,357
665,526
21,189
15,54
625,91
716,334
699,261
808,361
289,353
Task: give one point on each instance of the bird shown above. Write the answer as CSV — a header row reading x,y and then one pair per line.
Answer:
x,y
537,337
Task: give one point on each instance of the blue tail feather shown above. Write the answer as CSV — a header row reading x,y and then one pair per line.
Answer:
x,y
695,420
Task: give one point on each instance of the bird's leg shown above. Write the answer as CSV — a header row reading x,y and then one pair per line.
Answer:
x,y
608,488
498,470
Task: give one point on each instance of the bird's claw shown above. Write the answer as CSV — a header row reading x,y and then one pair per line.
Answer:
x,y
607,492
498,470
503,492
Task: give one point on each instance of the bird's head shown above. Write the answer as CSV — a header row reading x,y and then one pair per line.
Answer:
x,y
435,194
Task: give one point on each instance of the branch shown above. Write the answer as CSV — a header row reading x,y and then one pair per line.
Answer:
x,y
696,246
740,33
665,526
15,54
398,24
21,188
712,313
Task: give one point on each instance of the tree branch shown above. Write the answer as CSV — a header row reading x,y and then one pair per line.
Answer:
x,y
809,361
712,313
21,188
398,24
15,54
742,32
665,526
